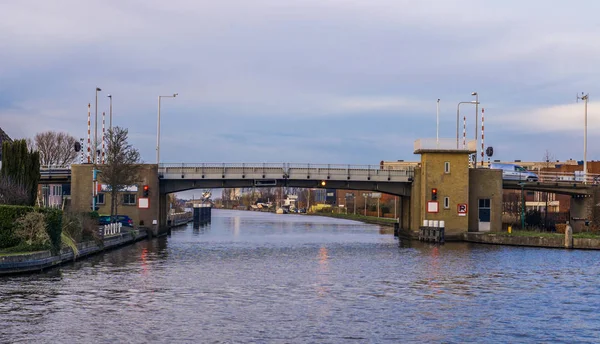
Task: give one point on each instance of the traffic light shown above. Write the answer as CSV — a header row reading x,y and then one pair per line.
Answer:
x,y
145,191
434,194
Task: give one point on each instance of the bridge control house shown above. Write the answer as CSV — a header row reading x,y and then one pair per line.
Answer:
x,y
445,189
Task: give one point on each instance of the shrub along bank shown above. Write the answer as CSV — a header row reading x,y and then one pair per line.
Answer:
x,y
26,229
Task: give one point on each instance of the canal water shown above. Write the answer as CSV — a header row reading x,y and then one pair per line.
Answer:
x,y
253,277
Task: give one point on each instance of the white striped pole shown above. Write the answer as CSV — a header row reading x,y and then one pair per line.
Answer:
x,y
103,135
482,110
82,155
89,144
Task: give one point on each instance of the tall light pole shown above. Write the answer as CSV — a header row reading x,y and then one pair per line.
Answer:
x,y
458,116
476,126
158,128
110,111
98,89
437,128
585,99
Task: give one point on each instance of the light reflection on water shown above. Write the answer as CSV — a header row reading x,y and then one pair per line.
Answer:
x,y
255,277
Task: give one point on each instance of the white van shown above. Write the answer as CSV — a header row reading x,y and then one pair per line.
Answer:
x,y
515,172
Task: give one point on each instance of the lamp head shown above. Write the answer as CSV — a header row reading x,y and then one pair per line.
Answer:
x,y
175,95
109,96
98,89
473,93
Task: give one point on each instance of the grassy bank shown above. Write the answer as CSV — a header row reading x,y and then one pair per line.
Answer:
x,y
519,233
384,221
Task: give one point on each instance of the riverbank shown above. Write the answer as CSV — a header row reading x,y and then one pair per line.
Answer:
x,y
533,239
11,264
382,221
587,241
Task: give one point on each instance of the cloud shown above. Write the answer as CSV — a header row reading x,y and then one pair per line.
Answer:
x,y
329,80
554,119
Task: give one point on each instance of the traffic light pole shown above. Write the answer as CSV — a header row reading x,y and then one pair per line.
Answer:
x,y
94,187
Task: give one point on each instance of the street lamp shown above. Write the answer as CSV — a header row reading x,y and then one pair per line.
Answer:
x,y
158,127
585,99
98,89
110,110
458,117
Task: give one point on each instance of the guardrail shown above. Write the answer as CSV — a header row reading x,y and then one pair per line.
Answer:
x,y
111,229
283,168
55,167
568,177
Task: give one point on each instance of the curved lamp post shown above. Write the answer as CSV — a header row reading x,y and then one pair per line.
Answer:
x,y
158,127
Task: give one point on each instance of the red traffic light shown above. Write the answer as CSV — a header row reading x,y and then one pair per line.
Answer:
x,y
434,194
145,187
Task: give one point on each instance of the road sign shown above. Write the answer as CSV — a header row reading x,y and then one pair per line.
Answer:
x,y
143,203
432,207
462,209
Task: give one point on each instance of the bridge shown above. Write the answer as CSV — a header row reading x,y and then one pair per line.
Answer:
x,y
181,177
413,184
563,183
55,174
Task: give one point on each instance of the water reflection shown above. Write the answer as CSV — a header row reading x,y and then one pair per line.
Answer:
x,y
256,277
323,272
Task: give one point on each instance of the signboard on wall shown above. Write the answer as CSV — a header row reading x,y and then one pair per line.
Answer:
x,y
143,203
462,209
107,188
432,207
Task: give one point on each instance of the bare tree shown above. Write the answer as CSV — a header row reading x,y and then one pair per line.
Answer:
x,y
56,148
122,165
12,193
174,204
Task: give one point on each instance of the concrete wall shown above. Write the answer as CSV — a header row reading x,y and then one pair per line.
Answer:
x,y
485,183
582,210
416,209
453,184
81,194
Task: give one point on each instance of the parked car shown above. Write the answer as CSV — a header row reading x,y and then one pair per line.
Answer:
x,y
515,172
123,219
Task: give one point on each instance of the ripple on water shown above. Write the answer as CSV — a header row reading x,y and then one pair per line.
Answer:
x,y
256,277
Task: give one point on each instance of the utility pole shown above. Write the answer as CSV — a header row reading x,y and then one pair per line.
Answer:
x,y
476,125
585,99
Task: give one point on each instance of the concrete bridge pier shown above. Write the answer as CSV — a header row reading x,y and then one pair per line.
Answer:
x,y
405,213
163,228
583,211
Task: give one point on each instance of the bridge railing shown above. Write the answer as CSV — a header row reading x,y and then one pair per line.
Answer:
x,y
284,169
568,177
54,167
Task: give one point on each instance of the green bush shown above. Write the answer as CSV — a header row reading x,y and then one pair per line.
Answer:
x,y
31,229
8,216
53,227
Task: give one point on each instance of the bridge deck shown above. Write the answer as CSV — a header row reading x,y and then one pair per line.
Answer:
x,y
283,171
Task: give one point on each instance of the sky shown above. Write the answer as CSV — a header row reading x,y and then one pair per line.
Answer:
x,y
305,81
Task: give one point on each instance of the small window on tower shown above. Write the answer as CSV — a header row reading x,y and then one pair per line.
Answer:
x,y
447,167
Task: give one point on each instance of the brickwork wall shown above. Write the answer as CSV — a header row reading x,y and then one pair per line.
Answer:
x,y
454,184
81,194
485,183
